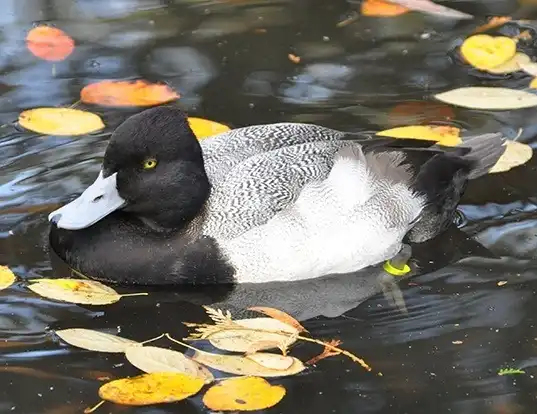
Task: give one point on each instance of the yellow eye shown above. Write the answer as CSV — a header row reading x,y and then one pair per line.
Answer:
x,y
150,163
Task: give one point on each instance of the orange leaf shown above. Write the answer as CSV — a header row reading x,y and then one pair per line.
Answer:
x,y
280,316
49,43
127,93
493,23
382,8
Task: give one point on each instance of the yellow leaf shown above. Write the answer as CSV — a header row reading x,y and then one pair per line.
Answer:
x,y
512,65
262,333
153,359
243,394
279,315
444,135
89,292
95,340
516,153
204,128
147,389
7,278
247,365
60,121
485,52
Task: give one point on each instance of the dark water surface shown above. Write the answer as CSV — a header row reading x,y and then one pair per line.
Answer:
x,y
229,60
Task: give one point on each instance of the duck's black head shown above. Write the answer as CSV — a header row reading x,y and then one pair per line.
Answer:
x,y
152,168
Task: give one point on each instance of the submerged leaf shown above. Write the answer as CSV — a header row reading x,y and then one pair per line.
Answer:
x,y
127,93
147,389
261,333
95,340
272,361
81,291
248,365
492,98
204,128
280,316
485,52
49,43
60,121
153,359
243,394
7,278
444,135
516,153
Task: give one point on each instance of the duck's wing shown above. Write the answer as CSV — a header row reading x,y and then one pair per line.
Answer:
x,y
254,190
224,151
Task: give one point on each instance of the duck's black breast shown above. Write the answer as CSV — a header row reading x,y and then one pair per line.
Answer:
x,y
120,249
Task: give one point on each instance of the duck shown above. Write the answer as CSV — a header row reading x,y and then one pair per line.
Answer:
x,y
262,203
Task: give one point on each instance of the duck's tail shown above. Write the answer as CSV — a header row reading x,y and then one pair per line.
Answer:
x,y
485,151
442,178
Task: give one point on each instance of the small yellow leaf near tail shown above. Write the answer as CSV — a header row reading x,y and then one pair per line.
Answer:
x,y
444,135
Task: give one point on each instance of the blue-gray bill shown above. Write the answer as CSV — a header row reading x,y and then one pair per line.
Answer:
x,y
96,202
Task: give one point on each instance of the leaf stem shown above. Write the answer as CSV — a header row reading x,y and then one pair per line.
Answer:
x,y
92,409
134,294
153,339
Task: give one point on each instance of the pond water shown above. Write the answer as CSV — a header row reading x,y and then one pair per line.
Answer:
x,y
229,61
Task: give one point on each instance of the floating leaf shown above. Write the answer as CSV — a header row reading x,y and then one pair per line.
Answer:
x,y
272,361
204,128
89,292
151,359
280,316
246,365
482,97
516,153
49,43
127,93
512,65
7,278
530,68
60,121
486,52
147,389
444,135
381,8
95,340
262,333
243,394
427,6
